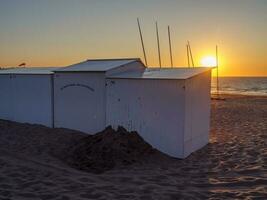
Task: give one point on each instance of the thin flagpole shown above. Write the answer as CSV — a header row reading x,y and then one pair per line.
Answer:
x,y
142,42
170,45
192,60
158,44
187,52
217,68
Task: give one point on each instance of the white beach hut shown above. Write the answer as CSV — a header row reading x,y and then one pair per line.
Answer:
x,y
80,92
26,95
170,108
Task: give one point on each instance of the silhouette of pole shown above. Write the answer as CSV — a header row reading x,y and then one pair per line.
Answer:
x,y
187,52
157,31
170,45
142,42
217,68
192,60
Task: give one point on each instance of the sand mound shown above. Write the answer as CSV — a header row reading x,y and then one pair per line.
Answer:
x,y
108,149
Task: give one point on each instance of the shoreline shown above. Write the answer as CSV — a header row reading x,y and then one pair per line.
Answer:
x,y
238,95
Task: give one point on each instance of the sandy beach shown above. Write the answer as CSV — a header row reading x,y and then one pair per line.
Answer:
x,y
232,166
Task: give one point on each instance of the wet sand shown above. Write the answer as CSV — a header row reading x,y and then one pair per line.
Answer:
x,y
232,166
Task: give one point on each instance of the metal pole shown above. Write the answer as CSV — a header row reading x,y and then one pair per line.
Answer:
x,y
170,45
158,44
187,52
142,42
217,68
192,60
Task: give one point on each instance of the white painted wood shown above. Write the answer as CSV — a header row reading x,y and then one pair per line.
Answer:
x,y
99,65
79,100
132,67
80,94
32,99
153,108
6,109
197,118
178,73
26,98
28,70
172,115
170,108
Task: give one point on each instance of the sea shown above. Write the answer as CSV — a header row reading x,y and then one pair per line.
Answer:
x,y
241,85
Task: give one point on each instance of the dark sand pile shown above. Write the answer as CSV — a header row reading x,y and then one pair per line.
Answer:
x,y
33,162
37,142
109,149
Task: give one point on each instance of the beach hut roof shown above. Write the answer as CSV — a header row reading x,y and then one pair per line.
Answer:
x,y
163,73
28,70
98,65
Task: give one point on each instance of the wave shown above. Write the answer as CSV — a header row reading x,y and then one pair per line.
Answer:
x,y
244,86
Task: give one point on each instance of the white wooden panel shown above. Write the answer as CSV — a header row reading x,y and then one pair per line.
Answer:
x,y
197,116
6,97
130,67
79,101
32,101
154,108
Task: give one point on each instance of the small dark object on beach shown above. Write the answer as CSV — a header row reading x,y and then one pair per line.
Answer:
x,y
108,149
217,98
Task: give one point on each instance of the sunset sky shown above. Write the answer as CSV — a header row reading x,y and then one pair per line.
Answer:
x,y
62,32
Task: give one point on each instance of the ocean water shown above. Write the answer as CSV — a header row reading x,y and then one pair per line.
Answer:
x,y
241,85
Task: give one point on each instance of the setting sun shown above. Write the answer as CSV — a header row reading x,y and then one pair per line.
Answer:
x,y
208,61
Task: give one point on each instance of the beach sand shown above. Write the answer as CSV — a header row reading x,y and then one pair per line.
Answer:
x,y
232,165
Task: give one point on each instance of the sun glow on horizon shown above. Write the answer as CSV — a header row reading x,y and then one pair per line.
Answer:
x,y
209,61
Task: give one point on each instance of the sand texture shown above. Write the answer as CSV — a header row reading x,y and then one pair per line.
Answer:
x,y
37,162
110,149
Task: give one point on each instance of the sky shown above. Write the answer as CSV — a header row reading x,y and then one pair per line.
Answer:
x,y
63,32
